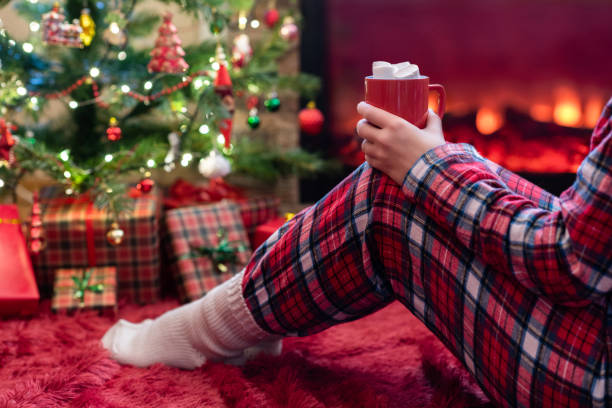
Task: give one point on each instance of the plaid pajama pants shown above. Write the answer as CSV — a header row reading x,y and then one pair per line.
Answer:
x,y
364,245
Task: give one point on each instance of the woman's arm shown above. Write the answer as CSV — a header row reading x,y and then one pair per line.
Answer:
x,y
565,254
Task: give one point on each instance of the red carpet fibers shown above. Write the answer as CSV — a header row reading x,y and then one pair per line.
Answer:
x,y
385,360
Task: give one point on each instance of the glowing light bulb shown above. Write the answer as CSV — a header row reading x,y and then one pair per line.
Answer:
x,y
1,183
114,28
242,22
187,156
27,47
220,139
67,174
21,91
121,55
148,85
197,84
73,104
206,82
150,163
108,158
64,155
94,72
204,129
34,26
125,88
215,65
254,23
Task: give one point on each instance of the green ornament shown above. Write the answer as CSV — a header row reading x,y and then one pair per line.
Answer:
x,y
272,104
254,121
217,25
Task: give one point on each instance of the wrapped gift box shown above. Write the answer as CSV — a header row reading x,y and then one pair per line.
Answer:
x,y
92,288
75,232
263,231
192,228
257,211
18,291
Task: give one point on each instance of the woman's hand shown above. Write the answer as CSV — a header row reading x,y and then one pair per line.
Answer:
x,y
392,144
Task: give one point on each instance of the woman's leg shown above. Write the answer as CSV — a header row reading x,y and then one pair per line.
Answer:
x,y
363,245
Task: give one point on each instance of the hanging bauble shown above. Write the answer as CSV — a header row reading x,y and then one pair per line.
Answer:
x,y
217,24
253,120
241,51
7,141
88,27
146,185
167,56
289,30
214,165
113,132
311,119
115,33
58,32
271,17
272,104
115,235
223,88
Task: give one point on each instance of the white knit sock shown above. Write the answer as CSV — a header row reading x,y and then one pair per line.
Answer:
x,y
217,327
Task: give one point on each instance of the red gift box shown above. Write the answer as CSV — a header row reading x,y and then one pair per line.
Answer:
x,y
18,291
99,289
192,228
75,232
263,231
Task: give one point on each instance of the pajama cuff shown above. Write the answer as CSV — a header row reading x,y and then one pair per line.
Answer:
x,y
419,178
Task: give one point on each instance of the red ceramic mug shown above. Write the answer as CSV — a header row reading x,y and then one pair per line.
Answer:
x,y
404,97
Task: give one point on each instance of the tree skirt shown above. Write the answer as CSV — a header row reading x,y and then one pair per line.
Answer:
x,y
388,359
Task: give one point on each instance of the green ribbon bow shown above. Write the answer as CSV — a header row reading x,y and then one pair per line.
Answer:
x,y
82,285
224,253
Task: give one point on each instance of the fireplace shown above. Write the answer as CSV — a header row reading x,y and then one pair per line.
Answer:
x,y
525,80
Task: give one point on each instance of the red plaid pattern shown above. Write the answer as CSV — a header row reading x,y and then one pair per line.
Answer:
x,y
195,227
257,210
136,258
64,289
514,281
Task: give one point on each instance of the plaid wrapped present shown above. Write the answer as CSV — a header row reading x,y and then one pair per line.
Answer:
x,y
257,211
75,234
189,231
85,287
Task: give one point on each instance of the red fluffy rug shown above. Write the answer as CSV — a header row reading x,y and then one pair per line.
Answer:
x,y
388,359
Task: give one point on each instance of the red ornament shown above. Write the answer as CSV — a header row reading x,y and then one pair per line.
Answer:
x,y
37,239
311,119
167,56
113,132
289,30
6,141
271,17
145,186
223,88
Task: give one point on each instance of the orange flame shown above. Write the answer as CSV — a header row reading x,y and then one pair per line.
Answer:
x,y
567,111
488,120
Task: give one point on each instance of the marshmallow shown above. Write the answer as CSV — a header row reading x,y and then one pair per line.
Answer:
x,y
402,70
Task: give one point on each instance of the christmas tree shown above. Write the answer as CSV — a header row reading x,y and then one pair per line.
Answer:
x,y
117,108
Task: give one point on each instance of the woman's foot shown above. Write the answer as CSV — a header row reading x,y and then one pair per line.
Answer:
x,y
217,327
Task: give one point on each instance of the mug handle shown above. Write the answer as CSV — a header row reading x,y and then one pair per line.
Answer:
x,y
441,98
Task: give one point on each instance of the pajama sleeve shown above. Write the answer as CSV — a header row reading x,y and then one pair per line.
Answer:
x,y
562,250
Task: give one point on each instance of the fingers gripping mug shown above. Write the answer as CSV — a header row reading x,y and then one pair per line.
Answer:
x,y
404,97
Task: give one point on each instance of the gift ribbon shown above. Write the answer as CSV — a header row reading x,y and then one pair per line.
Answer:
x,y
221,254
82,285
9,221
